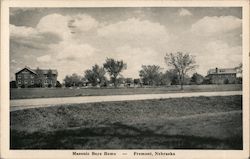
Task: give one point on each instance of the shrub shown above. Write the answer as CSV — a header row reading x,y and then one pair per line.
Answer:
x,y
226,81
31,86
58,84
13,84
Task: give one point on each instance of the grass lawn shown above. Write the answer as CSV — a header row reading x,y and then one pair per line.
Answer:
x,y
185,123
67,92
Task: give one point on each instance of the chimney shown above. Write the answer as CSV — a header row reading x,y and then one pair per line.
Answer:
x,y
216,70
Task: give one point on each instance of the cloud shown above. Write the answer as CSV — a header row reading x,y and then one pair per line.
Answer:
x,y
51,29
132,27
22,31
184,12
70,51
134,30
54,34
218,54
13,60
55,23
31,37
72,57
136,57
209,52
65,26
209,26
17,10
83,22
45,58
76,42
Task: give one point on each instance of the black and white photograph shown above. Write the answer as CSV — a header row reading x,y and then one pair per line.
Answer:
x,y
131,78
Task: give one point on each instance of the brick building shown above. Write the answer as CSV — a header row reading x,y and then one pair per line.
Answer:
x,y
222,76
28,77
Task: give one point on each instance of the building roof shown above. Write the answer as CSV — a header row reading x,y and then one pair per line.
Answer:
x,y
44,71
222,71
27,68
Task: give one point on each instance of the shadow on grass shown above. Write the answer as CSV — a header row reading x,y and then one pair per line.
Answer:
x,y
115,136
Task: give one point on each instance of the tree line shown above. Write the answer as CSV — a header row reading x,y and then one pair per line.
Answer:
x,y
180,64
109,74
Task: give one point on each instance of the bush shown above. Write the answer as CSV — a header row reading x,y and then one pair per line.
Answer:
x,y
207,81
58,84
38,85
226,81
31,86
197,79
239,80
13,84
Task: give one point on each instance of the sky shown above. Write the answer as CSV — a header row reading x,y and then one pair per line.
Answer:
x,y
72,40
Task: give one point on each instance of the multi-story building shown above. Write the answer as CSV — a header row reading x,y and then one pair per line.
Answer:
x,y
28,77
222,76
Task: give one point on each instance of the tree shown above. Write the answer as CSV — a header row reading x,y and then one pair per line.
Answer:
x,y
150,74
207,80
96,75
73,80
239,68
172,75
182,63
197,79
129,81
164,79
239,73
137,81
119,81
114,68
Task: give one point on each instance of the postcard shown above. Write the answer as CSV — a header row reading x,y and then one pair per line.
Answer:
x,y
125,79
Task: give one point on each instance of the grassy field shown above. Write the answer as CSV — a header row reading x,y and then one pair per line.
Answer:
x,y
67,92
185,123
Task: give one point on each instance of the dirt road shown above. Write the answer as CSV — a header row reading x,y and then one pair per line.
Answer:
x,y
45,102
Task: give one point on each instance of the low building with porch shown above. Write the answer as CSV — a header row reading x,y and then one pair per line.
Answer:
x,y
222,76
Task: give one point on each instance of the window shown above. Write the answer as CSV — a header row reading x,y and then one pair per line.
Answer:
x,y
19,82
25,82
19,76
32,82
31,76
46,81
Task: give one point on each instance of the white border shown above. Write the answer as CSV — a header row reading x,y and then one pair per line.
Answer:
x,y
218,154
